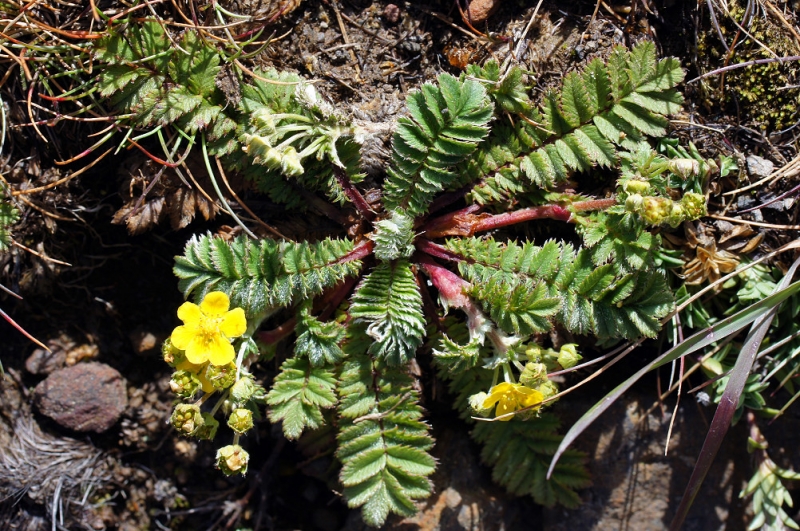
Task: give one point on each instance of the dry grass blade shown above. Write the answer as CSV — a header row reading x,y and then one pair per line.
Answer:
x,y
694,343
729,402
53,472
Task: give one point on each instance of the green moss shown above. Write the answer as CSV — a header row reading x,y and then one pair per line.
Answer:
x,y
763,101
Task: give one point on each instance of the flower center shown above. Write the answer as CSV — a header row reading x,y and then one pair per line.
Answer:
x,y
209,328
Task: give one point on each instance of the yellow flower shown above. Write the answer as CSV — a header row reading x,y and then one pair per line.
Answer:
x,y
511,397
207,330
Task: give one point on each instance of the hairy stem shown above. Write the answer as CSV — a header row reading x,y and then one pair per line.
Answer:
x,y
353,194
437,251
362,250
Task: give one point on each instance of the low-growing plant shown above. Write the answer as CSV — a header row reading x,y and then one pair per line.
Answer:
x,y
363,304
437,259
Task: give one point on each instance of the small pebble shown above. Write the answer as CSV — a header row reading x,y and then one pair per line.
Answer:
x,y
479,10
759,167
391,13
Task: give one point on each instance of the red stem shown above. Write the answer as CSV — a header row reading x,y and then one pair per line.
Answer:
x,y
352,193
362,250
451,224
450,286
438,251
518,216
279,333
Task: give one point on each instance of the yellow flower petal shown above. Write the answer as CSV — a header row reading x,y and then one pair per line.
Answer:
x,y
529,397
186,365
206,386
496,393
220,352
197,351
182,336
215,304
189,312
506,405
233,323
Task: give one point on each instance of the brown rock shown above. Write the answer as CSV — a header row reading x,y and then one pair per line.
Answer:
x,y
85,397
479,10
391,13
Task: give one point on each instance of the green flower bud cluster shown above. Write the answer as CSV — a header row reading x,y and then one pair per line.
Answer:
x,y
237,400
221,376
232,459
566,357
543,361
184,384
657,210
186,418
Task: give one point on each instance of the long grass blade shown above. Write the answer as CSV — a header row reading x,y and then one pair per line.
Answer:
x,y
728,404
698,341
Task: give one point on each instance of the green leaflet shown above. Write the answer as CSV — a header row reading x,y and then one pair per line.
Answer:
x,y
383,443
619,238
446,124
388,299
262,275
598,110
526,287
520,452
318,341
145,75
299,394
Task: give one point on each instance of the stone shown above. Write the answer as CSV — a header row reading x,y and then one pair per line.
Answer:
x,y
479,10
391,13
87,397
759,167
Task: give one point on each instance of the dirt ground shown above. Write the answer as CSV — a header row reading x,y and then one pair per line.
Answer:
x,y
93,291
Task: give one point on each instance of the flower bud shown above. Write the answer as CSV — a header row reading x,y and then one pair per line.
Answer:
x,y
633,203
635,186
684,167
232,459
209,428
272,158
262,118
534,353
694,205
476,405
547,389
244,389
656,210
221,376
290,162
240,420
568,356
184,384
186,418
676,216
171,355
261,151
533,375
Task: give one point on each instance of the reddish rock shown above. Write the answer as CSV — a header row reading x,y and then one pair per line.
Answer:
x,y
85,397
391,13
479,10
